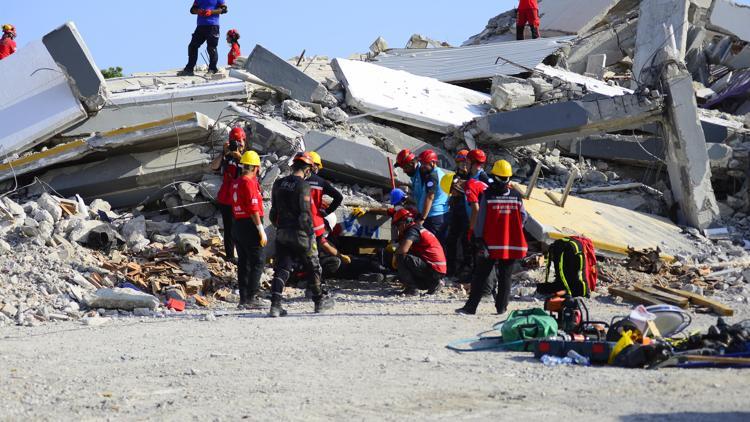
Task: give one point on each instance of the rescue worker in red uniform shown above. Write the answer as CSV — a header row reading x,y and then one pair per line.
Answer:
x,y
8,43
291,214
499,239
233,39
249,234
419,256
528,13
228,164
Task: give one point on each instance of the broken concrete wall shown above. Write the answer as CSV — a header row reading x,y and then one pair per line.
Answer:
x,y
616,41
212,91
731,18
276,71
572,16
664,19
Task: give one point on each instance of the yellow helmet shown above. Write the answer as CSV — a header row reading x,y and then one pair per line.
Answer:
x,y
502,168
250,158
316,159
446,183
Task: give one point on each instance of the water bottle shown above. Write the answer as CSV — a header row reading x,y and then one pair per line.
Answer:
x,y
578,358
550,361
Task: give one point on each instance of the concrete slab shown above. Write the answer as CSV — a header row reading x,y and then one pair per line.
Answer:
x,y
653,34
592,84
36,100
214,91
400,141
613,229
276,71
573,16
66,46
410,99
731,18
612,41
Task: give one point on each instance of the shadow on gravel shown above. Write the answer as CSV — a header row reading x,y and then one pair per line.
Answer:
x,y
688,416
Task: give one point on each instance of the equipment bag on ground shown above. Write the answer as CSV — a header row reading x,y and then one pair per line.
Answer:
x,y
528,324
574,261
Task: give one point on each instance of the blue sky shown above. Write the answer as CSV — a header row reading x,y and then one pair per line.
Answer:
x,y
151,36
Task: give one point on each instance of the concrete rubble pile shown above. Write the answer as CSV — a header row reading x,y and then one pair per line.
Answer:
x,y
640,109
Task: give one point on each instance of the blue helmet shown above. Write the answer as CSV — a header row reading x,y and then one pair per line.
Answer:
x,y
397,196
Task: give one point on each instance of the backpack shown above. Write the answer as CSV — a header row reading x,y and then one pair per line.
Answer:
x,y
527,324
574,259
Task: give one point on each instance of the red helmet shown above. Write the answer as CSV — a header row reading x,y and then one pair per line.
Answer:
x,y
477,156
233,34
237,134
462,155
304,157
402,215
405,157
428,157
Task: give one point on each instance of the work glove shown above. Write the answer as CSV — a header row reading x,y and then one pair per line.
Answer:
x,y
263,236
346,259
205,13
359,212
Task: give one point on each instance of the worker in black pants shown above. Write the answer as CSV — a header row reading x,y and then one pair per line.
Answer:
x,y
207,31
228,165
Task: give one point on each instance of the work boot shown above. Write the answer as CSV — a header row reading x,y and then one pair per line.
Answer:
x,y
185,72
372,278
534,32
465,311
519,32
409,291
435,288
323,303
255,303
276,309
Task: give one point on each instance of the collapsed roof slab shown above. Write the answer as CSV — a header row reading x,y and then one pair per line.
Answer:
x,y
399,140
36,99
573,16
473,62
276,71
613,229
593,85
410,99
213,91
66,46
731,18
665,19
535,125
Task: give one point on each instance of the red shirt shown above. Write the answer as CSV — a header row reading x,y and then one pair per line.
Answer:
x,y
426,246
7,47
474,189
528,4
233,54
230,174
247,198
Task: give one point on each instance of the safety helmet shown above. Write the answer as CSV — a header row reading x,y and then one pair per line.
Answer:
x,y
477,156
404,157
397,196
233,34
401,215
237,134
462,155
9,29
446,183
502,168
250,158
305,158
428,157
316,159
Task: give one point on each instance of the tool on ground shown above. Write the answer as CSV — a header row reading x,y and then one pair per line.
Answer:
x,y
572,316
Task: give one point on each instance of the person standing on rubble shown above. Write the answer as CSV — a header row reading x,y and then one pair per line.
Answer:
x,y
249,234
420,259
291,214
229,165
528,13
8,43
207,31
499,239
233,39
432,202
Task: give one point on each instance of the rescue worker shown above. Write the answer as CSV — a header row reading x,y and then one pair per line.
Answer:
x,y
291,214
228,164
499,239
207,31
233,39
318,188
249,234
420,258
432,202
528,13
7,42
477,159
459,218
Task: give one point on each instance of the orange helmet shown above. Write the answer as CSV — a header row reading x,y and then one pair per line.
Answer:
x,y
304,157
462,155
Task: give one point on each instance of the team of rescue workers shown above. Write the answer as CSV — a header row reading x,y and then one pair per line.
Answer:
x,y
472,211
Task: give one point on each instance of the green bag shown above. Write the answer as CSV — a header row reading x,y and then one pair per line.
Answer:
x,y
527,324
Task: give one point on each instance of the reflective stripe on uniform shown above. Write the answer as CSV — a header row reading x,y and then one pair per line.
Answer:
x,y
321,227
507,248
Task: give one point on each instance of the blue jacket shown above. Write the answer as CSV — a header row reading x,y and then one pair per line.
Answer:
x,y
439,204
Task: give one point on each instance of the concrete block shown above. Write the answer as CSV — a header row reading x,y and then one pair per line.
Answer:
x,y
276,71
613,41
731,18
596,64
509,93
573,16
656,19
125,299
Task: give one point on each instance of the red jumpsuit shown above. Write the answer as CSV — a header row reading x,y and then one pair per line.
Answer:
x,y
7,47
234,52
528,13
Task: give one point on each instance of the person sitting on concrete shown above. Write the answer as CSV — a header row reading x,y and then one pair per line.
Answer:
x,y
499,240
207,31
432,202
528,13
233,39
8,43
249,234
229,165
419,256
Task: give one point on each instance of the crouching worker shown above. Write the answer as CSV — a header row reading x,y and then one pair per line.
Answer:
x,y
249,235
499,240
420,258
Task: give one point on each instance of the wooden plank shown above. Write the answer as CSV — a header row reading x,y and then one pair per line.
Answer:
x,y
699,300
680,301
635,297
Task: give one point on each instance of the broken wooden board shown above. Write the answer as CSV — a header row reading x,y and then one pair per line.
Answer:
x,y
635,297
672,299
699,300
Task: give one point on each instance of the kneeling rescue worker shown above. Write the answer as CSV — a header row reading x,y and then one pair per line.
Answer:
x,y
291,214
499,240
419,256
249,235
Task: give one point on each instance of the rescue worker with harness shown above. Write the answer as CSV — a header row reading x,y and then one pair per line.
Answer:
x,y
291,214
498,238
420,259
249,234
7,42
229,165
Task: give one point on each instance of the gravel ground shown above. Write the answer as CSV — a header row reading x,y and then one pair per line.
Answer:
x,y
376,357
